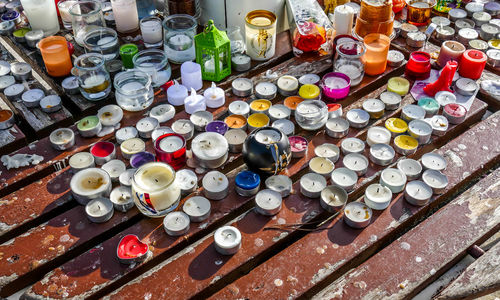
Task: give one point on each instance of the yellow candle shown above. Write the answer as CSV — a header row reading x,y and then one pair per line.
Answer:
x,y
260,106
258,120
396,126
494,43
406,142
309,91
398,85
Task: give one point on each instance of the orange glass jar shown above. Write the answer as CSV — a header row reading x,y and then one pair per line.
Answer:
x,y
375,16
375,58
56,56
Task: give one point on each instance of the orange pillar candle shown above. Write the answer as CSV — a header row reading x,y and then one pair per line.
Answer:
x,y
55,55
375,57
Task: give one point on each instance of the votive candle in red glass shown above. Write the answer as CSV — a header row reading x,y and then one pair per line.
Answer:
x,y
418,66
472,64
170,148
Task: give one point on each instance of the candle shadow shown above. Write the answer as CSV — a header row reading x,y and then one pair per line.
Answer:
x,y
253,222
343,234
60,183
208,263
401,209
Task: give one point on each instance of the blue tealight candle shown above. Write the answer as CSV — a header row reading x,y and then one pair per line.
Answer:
x,y
217,126
141,158
247,183
430,105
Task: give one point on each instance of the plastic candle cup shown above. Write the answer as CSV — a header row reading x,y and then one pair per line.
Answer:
x,y
197,208
217,126
430,105
378,135
236,122
194,102
335,86
260,23
257,121
375,58
171,148
89,126
90,183
377,196
292,102
455,113
287,85
126,15
329,151
247,183
322,166
418,66
227,240
357,215
393,179
398,85
375,107
131,147
215,185
405,144
235,139
260,106
268,202
210,149
309,92
127,52
333,198
472,64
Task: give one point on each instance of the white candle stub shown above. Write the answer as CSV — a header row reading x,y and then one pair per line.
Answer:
x,y
215,185
227,240
176,223
352,145
197,208
268,202
357,215
50,103
333,198
279,183
239,108
356,162
99,210
358,118
122,199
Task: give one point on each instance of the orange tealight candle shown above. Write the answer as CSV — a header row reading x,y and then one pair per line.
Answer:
x,y
236,122
292,102
375,57
55,55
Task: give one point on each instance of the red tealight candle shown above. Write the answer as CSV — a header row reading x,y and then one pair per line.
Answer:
x,y
455,113
103,152
170,148
334,110
298,146
472,64
131,250
418,66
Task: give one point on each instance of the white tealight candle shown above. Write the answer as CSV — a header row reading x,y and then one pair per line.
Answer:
x,y
279,112
309,79
337,127
194,102
90,183
345,178
186,180
481,18
288,85
434,161
412,112
439,124
51,103
466,86
6,81
391,100
235,139
356,162
80,161
418,193
410,167
176,94
473,7
31,98
162,112
239,108
122,199
394,179
329,151
322,166
436,180
395,59
21,71
456,13
352,145
126,177
184,127
70,85
200,119
110,115
215,185
62,139
215,96
374,107
377,196
357,215
159,131
242,87
268,202
241,62
114,168
14,92
445,97
312,184
378,135
145,126
126,133
197,208
99,210
227,240
420,130
265,90
382,154
280,183
467,34
333,198
358,118
210,149
285,125
131,147
176,223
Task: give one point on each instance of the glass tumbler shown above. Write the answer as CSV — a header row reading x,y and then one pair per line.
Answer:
x,y
375,57
102,40
93,77
311,114
237,41
125,14
64,6
133,90
154,62
55,54
419,11
152,32
86,15
179,31
349,60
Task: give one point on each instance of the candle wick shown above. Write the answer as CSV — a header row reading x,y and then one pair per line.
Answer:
x,y
378,190
156,179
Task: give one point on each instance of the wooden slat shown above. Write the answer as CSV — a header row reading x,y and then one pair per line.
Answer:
x,y
13,138
492,100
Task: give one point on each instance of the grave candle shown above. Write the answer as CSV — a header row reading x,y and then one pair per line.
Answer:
x,y
210,149
121,197
352,145
287,85
7,119
214,96
217,126
247,183
236,122
391,100
436,180
336,85
357,215
241,62
176,223
99,210
439,125
114,168
292,102
393,179
455,113
298,146
279,183
131,147
184,128
127,52
322,166
50,103
333,198
56,56
405,144
62,139
200,119
90,183
410,167
191,75
14,92
260,106
420,130
357,118
125,133
278,112
412,112
125,178
197,208
152,31
239,107
430,105
378,135
398,85
257,121
286,126
418,66
311,185
235,139
176,94
31,98
80,161
309,92
171,149
215,185
227,240
110,115
356,162
21,71
417,193
131,250
145,126
472,64
382,154
396,126
103,152
242,87
433,161
375,107
265,90
268,202
377,196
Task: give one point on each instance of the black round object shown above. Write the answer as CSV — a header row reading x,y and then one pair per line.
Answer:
x,y
267,151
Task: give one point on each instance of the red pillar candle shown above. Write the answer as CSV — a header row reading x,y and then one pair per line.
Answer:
x,y
472,64
418,66
170,148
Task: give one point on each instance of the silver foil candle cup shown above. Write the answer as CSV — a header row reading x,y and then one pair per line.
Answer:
x,y
418,193
377,196
21,71
420,130
8,119
466,86
146,126
235,140
329,151
242,87
187,181
357,215
352,145
197,208
81,161
382,154
433,161
51,103
31,98
436,180
241,62
70,85
62,139
439,124
121,197
176,223
200,119
344,178
322,166
279,183
266,90
394,179
391,100
239,108
131,250
268,202
412,112
356,162
333,198
14,92
358,118
312,184
125,133
337,127
227,240
410,167
90,183
33,37
99,210
210,149
215,185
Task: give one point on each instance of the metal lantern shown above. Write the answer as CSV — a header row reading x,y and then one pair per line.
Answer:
x,y
213,53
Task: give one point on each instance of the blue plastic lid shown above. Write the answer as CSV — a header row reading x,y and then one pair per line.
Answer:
x,y
247,180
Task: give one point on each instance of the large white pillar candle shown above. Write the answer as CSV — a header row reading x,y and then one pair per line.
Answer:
x,y
125,13
90,184
343,16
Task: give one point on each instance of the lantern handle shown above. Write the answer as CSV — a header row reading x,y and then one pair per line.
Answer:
x,y
209,26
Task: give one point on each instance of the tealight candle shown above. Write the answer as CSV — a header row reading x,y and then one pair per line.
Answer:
x,y
495,44
184,128
279,183
466,86
200,119
457,13
268,202
162,112
176,94
278,112
126,133
430,105
375,107
90,183
145,126
445,97
440,21
14,92
121,197
391,100
322,166
62,139
176,223
187,181
382,154
407,28
298,146
99,210
464,23
215,185
215,96
114,168
417,193
131,147
345,178
241,62
410,167
311,185
396,126
398,85
247,183
405,144
377,196
80,161
7,119
21,71
357,215
110,115
337,127
473,7
336,85
329,151
481,18
455,113
356,162
227,240
439,124
333,198
6,81
125,178
170,148
444,33
493,8
7,27
433,161
197,208
266,90
217,126
194,103
378,135
334,110
309,79
236,122
239,108
210,149
489,31
242,87
358,118
479,45
4,68
50,103
436,180
416,39
140,159
467,34
412,112
493,57
309,92
191,75
395,58
235,139
352,145
70,85
257,121
292,102
260,106
287,85
420,130
393,179
31,98
103,152
285,125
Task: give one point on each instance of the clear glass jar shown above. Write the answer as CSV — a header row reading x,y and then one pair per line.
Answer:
x,y
125,14
311,114
152,32
146,8
349,60
86,15
133,90
188,7
260,34
102,40
64,6
153,189
153,62
179,31
93,77
237,41
42,15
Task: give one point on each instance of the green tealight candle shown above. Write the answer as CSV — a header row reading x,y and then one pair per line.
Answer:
x,y
430,105
20,33
127,52
89,126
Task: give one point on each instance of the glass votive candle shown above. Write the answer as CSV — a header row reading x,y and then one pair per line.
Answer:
x,y
152,32
63,7
93,77
374,17
335,86
375,58
125,15
134,91
349,60
311,114
102,40
419,11
55,54
170,148
418,66
178,42
155,63
260,34
85,16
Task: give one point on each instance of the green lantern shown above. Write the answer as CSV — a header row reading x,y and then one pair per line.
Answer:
x,y
213,53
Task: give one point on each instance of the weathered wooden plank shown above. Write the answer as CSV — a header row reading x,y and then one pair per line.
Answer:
x,y
488,97
327,254
429,249
13,138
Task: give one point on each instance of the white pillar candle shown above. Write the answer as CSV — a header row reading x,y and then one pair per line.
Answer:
x,y
352,145
418,193
356,162
200,119
114,168
358,118
31,98
312,184
378,135
391,100
131,147
162,112
90,183
433,161
186,180
80,161
439,124
99,210
382,154
420,130
287,85
235,139
268,202
121,197
51,103
125,14
227,240
333,198
377,196
215,96
197,208
394,179
239,108
191,75
412,112
242,87
125,178
62,139
278,112
176,223
285,125
345,178
215,185
374,107
210,149
126,133
177,93
110,115
329,151
145,126
357,215
322,166
184,127
410,167
337,127
342,17
436,180
265,90
194,102
279,183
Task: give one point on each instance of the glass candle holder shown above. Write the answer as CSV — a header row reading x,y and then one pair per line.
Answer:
x,y
375,16
153,189
63,7
85,16
42,15
145,8
133,90
260,34
55,54
335,86
349,60
155,63
102,40
188,7
126,16
419,11
237,41
311,114
178,42
375,57
418,66
93,78
152,32
170,148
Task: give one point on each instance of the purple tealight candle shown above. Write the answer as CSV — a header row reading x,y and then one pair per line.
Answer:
x,y
217,126
141,158
335,86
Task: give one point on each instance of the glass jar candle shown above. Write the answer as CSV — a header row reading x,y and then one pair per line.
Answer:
x,y
418,66
152,32
93,77
311,114
178,42
55,54
260,34
42,15
375,16
153,189
419,11
375,57
155,63
85,16
126,16
134,91
63,7
349,60
102,40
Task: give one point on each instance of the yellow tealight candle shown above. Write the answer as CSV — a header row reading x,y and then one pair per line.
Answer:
x,y
405,144
260,106
257,121
398,85
309,91
396,126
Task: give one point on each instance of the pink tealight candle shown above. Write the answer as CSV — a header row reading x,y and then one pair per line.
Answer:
x,y
455,113
335,86
103,152
298,146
